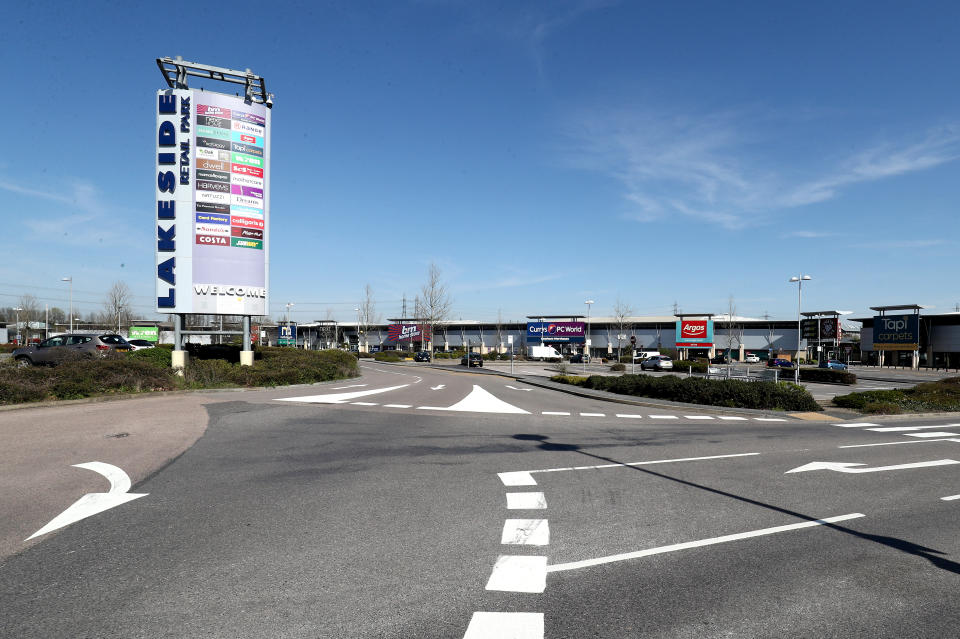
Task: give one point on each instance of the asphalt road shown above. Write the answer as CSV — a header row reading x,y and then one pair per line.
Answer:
x,y
468,505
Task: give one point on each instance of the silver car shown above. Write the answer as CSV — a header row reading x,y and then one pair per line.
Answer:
x,y
58,348
657,363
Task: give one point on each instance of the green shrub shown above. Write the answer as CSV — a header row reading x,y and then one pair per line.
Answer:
x,y
827,375
575,380
391,356
160,355
684,366
939,396
618,367
362,355
712,392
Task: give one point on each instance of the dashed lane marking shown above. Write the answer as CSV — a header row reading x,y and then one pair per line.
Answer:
x,y
592,415
553,412
528,532
518,478
519,573
350,386
505,625
697,417
518,389
950,498
397,405
922,441
769,419
733,419
664,417
573,565
907,429
627,416
526,501
364,403
926,435
856,425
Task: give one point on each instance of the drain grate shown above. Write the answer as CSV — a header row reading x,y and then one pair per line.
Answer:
x,y
117,435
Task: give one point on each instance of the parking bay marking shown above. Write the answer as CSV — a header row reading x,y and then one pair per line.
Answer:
x,y
573,565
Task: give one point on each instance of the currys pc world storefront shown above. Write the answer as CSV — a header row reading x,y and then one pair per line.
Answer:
x,y
556,334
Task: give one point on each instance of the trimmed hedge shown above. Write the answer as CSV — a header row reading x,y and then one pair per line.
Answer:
x,y
684,366
827,375
940,396
391,356
711,392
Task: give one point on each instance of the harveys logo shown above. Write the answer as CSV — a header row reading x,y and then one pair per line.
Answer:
x,y
693,330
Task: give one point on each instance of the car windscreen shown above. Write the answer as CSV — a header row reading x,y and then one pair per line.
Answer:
x,y
112,339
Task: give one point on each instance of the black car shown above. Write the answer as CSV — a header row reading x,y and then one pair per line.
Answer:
x,y
421,356
579,358
474,359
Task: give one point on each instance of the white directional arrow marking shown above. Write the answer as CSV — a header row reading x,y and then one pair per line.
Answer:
x,y
339,398
438,387
93,503
844,467
479,401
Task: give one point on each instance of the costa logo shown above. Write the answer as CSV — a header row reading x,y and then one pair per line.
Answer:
x,y
246,170
213,240
246,222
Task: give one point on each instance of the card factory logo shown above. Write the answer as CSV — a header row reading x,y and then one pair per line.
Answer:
x,y
232,291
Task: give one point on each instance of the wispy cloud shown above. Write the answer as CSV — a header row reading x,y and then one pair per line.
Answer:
x,y
809,234
510,281
710,167
904,244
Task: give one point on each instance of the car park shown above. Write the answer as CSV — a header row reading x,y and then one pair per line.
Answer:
x,y
58,348
833,364
472,359
752,358
422,356
657,363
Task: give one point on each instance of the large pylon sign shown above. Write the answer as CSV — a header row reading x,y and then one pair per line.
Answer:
x,y
213,193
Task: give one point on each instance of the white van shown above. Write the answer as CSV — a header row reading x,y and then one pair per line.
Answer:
x,y
642,355
542,352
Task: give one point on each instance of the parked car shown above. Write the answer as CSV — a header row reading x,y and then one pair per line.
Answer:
x,y
139,344
579,358
55,349
472,359
422,356
752,359
657,363
833,364
779,363
642,355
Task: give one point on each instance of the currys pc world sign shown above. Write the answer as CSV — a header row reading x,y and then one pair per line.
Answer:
x,y
695,333
567,332
896,332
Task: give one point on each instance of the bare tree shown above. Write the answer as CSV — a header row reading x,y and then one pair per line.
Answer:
x,y
116,306
29,312
435,302
622,312
368,314
734,330
499,327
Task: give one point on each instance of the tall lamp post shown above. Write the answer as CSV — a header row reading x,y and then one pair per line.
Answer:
x,y
70,279
19,339
586,345
288,305
358,328
799,280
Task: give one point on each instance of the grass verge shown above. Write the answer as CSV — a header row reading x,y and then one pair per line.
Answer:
x,y
149,370
942,396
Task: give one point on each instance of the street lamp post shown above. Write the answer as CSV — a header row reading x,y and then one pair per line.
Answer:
x,y
19,339
70,279
586,345
288,305
358,328
799,280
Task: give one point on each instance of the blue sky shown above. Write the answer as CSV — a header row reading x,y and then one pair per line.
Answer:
x,y
540,153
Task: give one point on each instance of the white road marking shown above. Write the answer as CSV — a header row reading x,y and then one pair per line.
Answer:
x,y
480,401
339,398
553,412
397,405
350,386
438,387
846,467
925,441
526,501
94,503
592,415
627,416
664,417
642,463
733,419
364,403
518,478
769,419
573,565
937,434
513,573
529,532
856,425
950,498
697,417
505,625
904,429
519,389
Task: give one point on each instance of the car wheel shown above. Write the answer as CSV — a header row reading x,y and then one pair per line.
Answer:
x,y
23,361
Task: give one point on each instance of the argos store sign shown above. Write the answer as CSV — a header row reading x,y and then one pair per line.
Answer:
x,y
695,333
